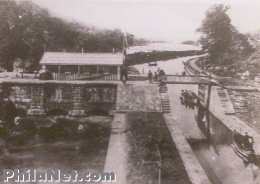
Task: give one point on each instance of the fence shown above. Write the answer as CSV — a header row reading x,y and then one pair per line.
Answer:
x,y
84,76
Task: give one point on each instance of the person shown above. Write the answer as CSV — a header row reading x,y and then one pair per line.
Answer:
x,y
158,70
239,139
185,97
45,74
124,73
182,97
161,75
35,74
189,100
155,76
248,141
150,76
193,100
17,120
10,112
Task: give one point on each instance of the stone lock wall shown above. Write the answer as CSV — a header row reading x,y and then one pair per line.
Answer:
x,y
75,99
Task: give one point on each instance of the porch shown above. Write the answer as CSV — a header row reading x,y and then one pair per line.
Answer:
x,y
72,72
83,66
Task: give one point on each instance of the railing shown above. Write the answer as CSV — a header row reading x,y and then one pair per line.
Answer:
x,y
109,77
65,76
84,76
188,79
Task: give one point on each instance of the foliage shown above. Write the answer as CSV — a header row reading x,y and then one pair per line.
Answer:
x,y
27,30
220,38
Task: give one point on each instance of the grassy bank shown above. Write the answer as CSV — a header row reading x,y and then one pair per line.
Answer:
x,y
150,142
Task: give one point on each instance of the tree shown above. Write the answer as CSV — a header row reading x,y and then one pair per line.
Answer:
x,y
27,30
217,33
221,39
7,33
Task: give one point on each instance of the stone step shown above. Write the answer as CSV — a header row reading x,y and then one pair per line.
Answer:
x,y
165,102
166,107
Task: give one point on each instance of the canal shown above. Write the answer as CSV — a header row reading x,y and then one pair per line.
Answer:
x,y
56,143
216,156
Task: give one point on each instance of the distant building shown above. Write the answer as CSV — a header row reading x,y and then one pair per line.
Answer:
x,y
83,66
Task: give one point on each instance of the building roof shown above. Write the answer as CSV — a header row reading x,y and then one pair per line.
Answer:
x,y
65,58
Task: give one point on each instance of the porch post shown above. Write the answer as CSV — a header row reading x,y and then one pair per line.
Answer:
x,y
78,72
118,72
59,71
97,71
78,69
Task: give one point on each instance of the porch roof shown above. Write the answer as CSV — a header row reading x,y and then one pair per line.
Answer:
x,y
65,58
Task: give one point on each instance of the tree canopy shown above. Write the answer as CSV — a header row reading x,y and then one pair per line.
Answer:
x,y
27,30
220,38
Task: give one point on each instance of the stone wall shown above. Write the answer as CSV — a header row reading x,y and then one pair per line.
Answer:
x,y
75,99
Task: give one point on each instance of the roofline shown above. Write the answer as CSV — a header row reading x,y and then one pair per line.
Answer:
x,y
117,54
81,64
80,53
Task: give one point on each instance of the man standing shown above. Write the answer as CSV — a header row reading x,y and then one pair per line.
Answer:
x,y
124,73
150,76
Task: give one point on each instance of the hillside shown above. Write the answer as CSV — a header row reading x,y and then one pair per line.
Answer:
x,y
27,30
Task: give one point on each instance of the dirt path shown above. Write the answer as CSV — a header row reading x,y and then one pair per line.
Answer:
x,y
117,154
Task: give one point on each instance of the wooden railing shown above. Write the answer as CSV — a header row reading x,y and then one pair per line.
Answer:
x,y
84,76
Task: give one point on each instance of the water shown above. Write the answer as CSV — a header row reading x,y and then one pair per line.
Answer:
x,y
58,147
167,46
172,66
217,157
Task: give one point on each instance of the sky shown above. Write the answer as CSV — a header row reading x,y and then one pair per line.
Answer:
x,y
172,20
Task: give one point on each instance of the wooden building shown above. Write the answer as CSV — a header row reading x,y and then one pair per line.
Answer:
x,y
83,66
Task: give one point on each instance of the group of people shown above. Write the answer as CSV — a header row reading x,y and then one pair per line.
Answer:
x,y
188,99
244,141
157,76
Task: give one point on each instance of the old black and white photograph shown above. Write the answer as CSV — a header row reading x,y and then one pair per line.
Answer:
x,y
130,91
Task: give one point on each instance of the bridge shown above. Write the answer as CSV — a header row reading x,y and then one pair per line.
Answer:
x,y
189,79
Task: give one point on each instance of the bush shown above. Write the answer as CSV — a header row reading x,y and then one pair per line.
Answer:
x,y
51,133
3,132
57,112
62,129
21,112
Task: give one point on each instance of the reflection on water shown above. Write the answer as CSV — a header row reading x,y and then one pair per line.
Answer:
x,y
56,143
219,159
166,46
